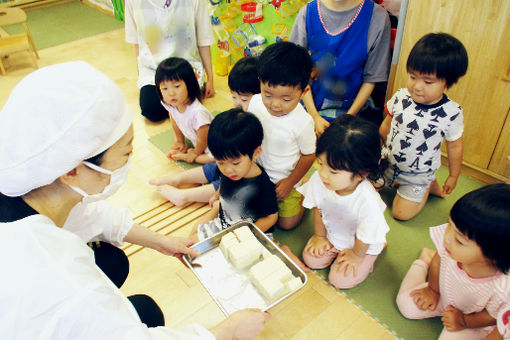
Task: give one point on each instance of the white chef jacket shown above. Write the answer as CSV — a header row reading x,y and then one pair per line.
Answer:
x,y
51,288
99,221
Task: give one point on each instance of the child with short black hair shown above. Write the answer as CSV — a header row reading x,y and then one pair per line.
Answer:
x,y
349,225
467,282
419,117
244,83
288,149
179,92
246,192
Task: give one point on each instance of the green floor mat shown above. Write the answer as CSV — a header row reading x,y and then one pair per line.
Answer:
x,y
163,141
58,24
377,294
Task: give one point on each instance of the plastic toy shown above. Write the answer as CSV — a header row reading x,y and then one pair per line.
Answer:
x,y
281,31
256,40
246,39
222,63
276,3
254,10
223,37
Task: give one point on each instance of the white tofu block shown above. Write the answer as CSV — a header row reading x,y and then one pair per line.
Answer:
x,y
244,233
227,241
271,288
293,284
282,273
245,253
266,253
262,269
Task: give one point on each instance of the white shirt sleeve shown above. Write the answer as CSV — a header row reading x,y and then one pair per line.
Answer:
x,y
205,36
201,116
99,221
456,128
372,227
307,190
56,291
130,24
307,138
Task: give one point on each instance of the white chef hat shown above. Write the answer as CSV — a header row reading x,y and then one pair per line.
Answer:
x,y
55,118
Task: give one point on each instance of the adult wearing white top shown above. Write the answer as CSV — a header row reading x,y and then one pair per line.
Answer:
x,y
55,120
169,28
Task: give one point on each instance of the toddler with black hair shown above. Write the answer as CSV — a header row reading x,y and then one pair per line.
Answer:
x,y
349,225
243,82
419,117
179,92
467,285
246,193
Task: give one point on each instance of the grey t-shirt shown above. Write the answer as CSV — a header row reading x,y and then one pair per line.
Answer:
x,y
378,40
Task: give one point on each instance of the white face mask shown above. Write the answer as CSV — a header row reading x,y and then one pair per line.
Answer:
x,y
117,178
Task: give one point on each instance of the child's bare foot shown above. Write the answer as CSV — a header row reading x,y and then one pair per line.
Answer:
x,y
426,255
286,250
436,190
172,179
173,194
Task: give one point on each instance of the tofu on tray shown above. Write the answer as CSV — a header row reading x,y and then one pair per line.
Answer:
x,y
268,273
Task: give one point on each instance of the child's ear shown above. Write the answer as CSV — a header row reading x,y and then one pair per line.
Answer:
x,y
257,152
307,88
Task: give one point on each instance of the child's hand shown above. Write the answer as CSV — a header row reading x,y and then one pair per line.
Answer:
x,y
425,298
214,198
453,319
283,188
177,147
190,156
318,245
320,125
347,259
449,184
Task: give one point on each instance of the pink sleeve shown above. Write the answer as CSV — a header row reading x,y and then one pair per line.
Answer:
x,y
437,236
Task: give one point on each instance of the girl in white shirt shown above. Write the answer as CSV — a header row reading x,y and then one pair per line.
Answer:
x,y
178,89
349,225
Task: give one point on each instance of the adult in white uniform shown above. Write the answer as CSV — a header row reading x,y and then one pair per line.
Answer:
x,y
54,120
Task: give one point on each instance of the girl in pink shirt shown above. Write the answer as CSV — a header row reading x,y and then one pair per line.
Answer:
x,y
467,282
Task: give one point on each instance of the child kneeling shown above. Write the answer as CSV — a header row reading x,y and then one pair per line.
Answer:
x,y
349,224
246,193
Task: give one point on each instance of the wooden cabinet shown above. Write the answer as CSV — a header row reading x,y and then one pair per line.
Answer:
x,y
484,92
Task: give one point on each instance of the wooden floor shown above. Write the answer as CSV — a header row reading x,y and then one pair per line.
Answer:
x,y
317,311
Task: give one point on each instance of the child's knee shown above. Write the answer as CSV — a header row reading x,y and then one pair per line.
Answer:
x,y
344,282
314,262
404,209
288,223
406,306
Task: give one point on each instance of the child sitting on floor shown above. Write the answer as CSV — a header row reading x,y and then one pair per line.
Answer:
x,y
349,224
243,83
246,192
467,282
289,138
418,118
178,89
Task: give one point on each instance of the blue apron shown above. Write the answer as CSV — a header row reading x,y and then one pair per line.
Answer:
x,y
339,60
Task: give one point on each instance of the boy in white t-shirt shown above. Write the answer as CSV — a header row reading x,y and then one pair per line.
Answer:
x,y
288,149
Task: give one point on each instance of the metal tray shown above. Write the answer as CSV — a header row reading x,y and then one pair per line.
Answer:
x,y
229,287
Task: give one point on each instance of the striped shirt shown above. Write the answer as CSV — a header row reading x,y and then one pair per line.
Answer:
x,y
463,292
